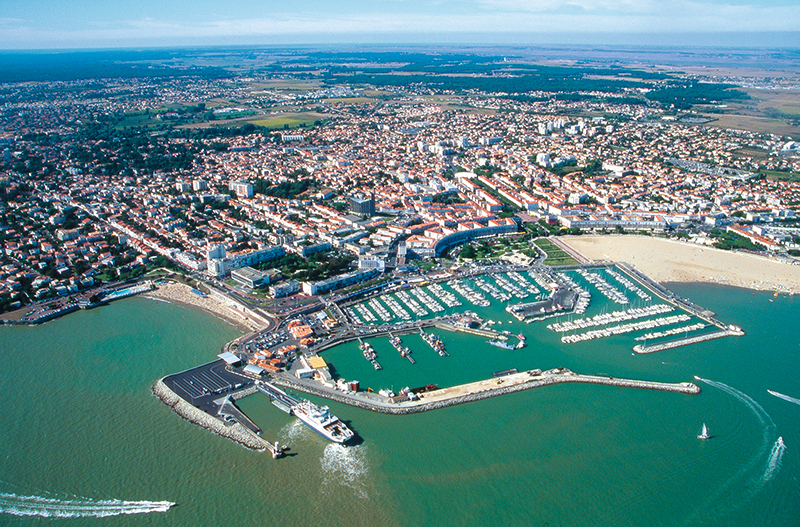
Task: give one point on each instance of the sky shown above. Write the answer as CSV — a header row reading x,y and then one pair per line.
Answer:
x,y
57,24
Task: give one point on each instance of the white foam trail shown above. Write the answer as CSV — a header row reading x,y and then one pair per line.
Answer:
x,y
784,397
775,459
346,466
748,469
761,414
55,508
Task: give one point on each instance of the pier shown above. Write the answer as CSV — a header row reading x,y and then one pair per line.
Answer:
x,y
668,296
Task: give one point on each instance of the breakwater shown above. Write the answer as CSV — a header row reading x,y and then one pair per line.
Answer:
x,y
652,348
479,390
235,432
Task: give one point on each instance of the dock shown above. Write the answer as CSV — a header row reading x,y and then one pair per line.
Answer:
x,y
280,399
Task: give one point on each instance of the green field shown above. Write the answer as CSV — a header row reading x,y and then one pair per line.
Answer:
x,y
781,176
287,121
352,100
555,255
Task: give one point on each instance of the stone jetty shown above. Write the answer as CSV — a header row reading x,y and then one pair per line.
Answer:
x,y
235,432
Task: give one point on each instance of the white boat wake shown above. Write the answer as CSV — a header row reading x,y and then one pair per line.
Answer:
x,y
79,508
784,397
775,459
346,465
748,472
761,414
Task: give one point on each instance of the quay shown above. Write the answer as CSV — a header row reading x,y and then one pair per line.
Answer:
x,y
652,348
475,391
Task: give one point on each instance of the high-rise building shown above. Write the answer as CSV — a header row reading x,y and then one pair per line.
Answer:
x,y
363,206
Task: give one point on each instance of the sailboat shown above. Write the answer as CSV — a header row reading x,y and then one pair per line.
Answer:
x,y
704,433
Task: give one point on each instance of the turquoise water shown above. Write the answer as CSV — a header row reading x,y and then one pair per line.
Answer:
x,y
79,425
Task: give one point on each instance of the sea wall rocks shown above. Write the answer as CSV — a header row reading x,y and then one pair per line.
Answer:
x,y
235,432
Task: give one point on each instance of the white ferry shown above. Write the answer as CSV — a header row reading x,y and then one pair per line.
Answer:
x,y
319,419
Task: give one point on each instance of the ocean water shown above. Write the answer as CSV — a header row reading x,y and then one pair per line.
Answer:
x,y
85,443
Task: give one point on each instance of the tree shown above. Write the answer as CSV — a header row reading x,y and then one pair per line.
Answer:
x,y
468,252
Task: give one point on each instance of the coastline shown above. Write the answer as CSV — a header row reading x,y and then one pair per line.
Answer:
x,y
671,261
182,294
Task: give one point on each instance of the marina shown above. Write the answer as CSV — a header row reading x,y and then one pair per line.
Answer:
x,y
624,328
606,289
376,321
610,318
637,416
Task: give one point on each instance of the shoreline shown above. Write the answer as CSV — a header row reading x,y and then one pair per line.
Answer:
x,y
179,293
672,261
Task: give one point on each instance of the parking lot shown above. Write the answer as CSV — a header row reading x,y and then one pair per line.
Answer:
x,y
201,385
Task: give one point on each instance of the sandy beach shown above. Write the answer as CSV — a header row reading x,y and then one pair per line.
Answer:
x,y
220,307
673,261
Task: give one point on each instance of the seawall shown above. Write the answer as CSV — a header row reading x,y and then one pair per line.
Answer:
x,y
235,432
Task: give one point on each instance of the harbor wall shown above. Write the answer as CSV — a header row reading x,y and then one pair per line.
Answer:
x,y
235,432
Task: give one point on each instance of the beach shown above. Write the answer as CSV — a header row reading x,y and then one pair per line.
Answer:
x,y
215,304
675,261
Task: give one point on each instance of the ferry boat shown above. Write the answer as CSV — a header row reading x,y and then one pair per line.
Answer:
x,y
319,419
704,433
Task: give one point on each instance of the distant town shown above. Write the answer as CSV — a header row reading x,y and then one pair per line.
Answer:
x,y
317,173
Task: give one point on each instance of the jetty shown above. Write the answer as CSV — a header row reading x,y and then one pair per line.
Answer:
x,y
652,348
206,395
